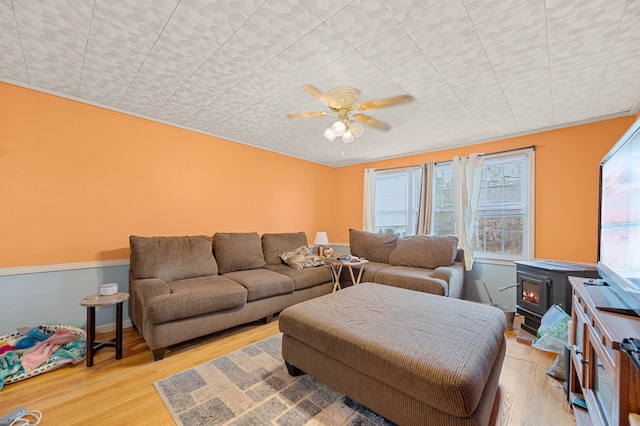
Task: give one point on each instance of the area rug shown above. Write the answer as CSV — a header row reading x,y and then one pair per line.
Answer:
x,y
251,386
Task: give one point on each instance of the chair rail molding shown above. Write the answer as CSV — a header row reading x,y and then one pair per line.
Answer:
x,y
19,270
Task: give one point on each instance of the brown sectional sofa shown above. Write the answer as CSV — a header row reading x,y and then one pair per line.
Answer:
x,y
181,289
190,286
431,264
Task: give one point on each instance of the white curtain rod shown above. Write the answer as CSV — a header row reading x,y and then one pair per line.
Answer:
x,y
496,153
448,161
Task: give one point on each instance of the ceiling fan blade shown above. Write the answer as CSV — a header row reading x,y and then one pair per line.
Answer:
x,y
308,114
372,122
318,94
382,103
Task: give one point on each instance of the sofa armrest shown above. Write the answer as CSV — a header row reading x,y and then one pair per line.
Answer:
x,y
454,276
142,290
150,287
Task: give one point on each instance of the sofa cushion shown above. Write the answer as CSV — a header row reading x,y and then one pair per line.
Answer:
x,y
301,258
371,246
238,251
368,274
262,283
425,251
172,258
273,245
195,296
303,278
418,279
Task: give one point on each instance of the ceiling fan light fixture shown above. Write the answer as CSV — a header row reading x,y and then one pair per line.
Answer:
x,y
344,102
338,128
356,129
329,134
347,137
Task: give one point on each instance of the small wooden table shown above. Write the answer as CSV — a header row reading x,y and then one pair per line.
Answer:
x,y
336,269
92,345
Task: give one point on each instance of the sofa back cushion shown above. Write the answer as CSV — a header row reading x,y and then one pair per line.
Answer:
x,y
238,251
273,245
172,258
371,246
425,251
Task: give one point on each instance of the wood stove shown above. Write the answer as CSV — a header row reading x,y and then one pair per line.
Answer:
x,y
542,283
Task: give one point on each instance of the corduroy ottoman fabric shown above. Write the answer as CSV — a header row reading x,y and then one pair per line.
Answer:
x,y
386,400
437,350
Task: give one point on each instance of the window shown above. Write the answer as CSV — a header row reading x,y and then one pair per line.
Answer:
x,y
504,225
443,222
397,200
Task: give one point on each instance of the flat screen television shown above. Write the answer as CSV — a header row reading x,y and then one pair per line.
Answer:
x,y
619,227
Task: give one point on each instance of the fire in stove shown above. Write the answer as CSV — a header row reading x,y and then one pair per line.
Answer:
x,y
530,296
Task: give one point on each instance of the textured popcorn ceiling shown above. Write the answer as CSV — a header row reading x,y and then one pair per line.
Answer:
x,y
479,69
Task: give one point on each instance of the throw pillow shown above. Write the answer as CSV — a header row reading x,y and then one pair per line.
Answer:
x,y
301,258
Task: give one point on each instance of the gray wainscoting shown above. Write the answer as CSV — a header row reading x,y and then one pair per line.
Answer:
x,y
52,296
494,276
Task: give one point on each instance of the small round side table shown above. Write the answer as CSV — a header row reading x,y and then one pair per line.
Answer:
x,y
92,345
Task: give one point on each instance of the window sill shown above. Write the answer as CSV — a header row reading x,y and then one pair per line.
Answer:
x,y
503,262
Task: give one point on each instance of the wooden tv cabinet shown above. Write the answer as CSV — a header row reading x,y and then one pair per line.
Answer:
x,y
601,374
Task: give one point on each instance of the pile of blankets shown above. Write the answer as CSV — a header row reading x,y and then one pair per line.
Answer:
x,y
38,348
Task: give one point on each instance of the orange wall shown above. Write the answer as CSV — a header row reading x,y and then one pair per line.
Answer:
x,y
77,180
566,185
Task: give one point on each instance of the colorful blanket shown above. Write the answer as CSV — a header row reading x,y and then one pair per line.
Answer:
x,y
56,346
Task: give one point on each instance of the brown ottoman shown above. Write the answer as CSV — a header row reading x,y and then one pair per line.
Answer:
x,y
412,357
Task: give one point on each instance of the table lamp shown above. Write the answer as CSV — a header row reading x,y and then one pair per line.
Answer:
x,y
320,241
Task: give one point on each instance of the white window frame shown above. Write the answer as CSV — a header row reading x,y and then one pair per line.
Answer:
x,y
529,200
413,196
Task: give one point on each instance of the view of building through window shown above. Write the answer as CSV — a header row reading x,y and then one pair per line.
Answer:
x,y
502,220
443,222
397,200
502,208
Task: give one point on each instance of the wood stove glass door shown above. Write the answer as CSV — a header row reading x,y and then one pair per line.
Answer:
x,y
533,292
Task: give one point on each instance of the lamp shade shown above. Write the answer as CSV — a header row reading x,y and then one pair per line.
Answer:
x,y
329,135
356,129
347,137
321,238
338,128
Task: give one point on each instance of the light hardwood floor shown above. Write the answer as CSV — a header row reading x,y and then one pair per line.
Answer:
x,y
121,392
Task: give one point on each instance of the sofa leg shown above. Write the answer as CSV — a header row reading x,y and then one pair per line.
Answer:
x,y
158,354
267,319
293,370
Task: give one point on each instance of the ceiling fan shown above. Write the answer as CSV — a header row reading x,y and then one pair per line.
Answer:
x,y
344,102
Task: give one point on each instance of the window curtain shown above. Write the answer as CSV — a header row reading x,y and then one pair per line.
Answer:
x,y
368,208
467,179
424,209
